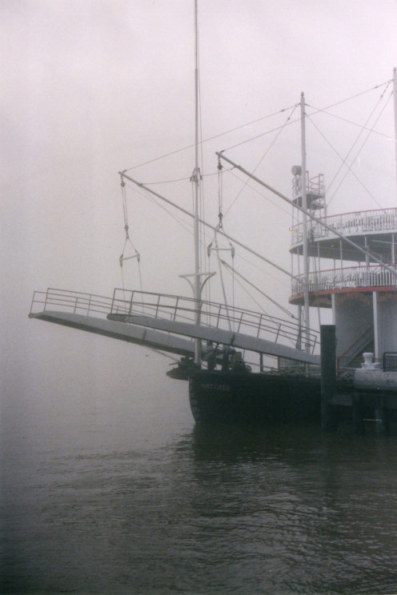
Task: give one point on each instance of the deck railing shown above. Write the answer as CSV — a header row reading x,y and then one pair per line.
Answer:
x,y
212,314
73,302
343,278
176,308
348,224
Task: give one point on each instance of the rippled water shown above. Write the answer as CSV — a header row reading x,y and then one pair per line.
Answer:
x,y
127,496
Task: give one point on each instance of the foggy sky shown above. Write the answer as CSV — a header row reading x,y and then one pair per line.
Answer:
x,y
90,88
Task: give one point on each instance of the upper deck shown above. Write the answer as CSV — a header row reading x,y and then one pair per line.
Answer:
x,y
373,230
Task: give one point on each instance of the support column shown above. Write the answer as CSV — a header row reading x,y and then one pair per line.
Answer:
x,y
376,324
333,306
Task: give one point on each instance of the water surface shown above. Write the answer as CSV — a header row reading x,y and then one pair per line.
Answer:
x,y
120,493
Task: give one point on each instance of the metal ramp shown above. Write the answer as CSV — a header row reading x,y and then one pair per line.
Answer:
x,y
169,322
89,313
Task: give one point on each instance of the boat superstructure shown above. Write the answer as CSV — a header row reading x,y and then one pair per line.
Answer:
x,y
360,292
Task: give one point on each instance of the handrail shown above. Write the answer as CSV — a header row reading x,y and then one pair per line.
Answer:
x,y
353,223
345,277
170,307
70,301
163,306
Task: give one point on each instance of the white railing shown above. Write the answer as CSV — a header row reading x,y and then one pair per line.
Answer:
x,y
73,302
343,278
125,303
348,224
212,314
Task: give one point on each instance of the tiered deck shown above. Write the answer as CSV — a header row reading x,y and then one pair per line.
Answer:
x,y
374,231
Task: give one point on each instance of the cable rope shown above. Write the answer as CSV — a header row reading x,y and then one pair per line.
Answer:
x,y
256,302
270,198
128,242
298,119
344,159
217,248
186,226
386,83
202,222
265,295
241,126
225,301
351,171
358,153
187,178
206,140
262,272
275,139
261,135
371,130
348,121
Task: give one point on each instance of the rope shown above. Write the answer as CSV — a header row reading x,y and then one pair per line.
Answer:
x,y
344,159
128,242
280,130
206,140
214,245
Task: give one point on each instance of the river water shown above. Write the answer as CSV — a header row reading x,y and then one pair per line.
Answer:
x,y
120,493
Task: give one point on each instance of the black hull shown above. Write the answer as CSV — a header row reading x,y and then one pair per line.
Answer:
x,y
271,398
224,397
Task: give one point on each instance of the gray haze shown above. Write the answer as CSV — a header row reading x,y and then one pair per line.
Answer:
x,y
91,88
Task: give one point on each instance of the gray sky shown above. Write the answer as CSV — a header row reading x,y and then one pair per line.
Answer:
x,y
91,87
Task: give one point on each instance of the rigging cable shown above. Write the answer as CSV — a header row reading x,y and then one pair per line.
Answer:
x,y
280,130
206,140
261,292
298,119
214,245
344,160
250,123
128,245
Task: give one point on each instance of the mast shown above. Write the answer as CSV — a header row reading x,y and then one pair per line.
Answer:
x,y
395,116
196,178
306,314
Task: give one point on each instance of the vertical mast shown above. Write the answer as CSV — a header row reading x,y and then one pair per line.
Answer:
x,y
196,182
304,206
395,116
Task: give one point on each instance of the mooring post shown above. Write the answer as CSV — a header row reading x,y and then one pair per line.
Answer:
x,y
328,375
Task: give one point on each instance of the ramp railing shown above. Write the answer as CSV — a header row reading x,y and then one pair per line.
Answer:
x,y
129,303
72,302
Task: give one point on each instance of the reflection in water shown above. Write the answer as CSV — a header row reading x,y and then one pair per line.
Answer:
x,y
216,510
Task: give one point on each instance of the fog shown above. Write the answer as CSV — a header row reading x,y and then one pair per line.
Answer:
x,y
91,88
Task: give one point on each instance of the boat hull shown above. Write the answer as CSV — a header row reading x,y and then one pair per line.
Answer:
x,y
225,397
